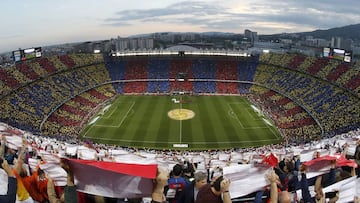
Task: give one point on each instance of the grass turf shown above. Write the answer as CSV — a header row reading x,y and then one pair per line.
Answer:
x,y
220,122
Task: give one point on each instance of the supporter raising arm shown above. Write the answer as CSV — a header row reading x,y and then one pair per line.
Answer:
x,y
160,182
69,195
2,146
19,171
190,191
216,192
275,196
10,196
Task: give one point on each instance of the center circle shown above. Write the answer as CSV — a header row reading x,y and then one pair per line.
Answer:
x,y
181,114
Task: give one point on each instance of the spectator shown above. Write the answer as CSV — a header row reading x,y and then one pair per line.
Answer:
x,y
191,190
69,195
215,192
176,184
287,175
275,196
357,157
188,172
10,196
19,171
160,182
9,154
34,184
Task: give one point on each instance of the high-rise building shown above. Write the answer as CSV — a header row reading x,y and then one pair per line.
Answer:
x,y
336,42
340,43
122,44
251,36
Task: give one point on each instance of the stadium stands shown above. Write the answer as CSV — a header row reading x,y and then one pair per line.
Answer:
x,y
315,89
184,67
305,97
204,70
227,71
29,105
334,71
158,69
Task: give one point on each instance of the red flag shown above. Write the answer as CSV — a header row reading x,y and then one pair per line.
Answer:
x,y
271,160
142,170
325,159
111,179
342,161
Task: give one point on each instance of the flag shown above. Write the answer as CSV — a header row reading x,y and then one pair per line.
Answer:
x,y
342,161
111,179
347,189
13,141
271,160
319,166
3,182
55,172
322,164
323,159
246,178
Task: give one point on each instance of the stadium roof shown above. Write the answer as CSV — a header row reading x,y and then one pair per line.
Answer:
x,y
182,48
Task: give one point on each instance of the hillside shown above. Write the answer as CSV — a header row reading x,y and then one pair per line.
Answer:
x,y
346,32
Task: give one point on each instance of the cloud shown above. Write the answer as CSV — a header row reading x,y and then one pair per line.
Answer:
x,y
10,36
117,23
223,16
182,8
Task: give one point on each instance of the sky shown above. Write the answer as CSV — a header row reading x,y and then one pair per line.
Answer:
x,y
26,23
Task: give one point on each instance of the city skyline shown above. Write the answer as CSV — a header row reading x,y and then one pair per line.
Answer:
x,y
42,23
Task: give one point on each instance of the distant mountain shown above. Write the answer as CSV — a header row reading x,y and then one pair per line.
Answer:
x,y
216,34
346,32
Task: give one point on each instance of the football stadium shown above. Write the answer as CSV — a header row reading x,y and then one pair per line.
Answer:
x,y
210,109
196,101
169,101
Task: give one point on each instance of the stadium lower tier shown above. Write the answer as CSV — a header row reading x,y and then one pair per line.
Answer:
x,y
58,96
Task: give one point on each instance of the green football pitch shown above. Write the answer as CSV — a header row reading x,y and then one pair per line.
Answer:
x,y
189,122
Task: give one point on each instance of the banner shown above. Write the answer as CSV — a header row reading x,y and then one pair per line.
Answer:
x,y
111,179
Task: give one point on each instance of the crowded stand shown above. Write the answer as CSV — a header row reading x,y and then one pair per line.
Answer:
x,y
27,71
116,69
287,115
204,72
47,162
158,76
337,72
27,106
181,69
313,102
47,65
315,66
246,73
354,83
336,109
8,80
21,74
227,71
204,75
136,69
67,60
69,118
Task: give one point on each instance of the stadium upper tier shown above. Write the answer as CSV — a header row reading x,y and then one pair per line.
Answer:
x,y
303,95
